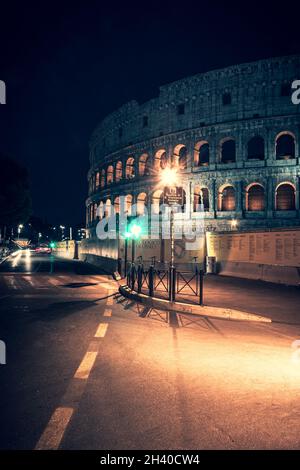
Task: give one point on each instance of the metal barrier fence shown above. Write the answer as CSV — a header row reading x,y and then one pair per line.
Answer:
x,y
168,282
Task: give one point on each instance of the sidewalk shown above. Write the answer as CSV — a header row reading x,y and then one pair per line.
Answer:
x,y
275,302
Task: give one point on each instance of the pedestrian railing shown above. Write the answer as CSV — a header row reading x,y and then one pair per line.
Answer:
x,y
164,281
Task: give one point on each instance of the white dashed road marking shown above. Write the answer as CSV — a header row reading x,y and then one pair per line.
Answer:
x,y
101,331
53,434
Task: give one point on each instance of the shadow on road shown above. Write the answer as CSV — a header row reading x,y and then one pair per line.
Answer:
x,y
57,310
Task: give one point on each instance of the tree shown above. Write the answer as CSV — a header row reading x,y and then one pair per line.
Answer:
x,y
15,199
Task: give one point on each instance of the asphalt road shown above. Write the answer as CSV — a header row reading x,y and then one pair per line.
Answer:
x,y
87,369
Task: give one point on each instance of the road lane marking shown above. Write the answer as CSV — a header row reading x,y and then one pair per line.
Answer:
x,y
53,434
101,330
86,365
107,312
110,300
60,419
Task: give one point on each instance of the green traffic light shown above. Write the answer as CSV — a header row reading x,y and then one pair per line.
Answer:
x,y
136,230
52,245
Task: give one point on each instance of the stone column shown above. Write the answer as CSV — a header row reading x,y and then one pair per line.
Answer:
x,y
238,199
270,197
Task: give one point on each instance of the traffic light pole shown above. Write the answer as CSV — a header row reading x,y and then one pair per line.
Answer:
x,y
125,258
132,249
172,267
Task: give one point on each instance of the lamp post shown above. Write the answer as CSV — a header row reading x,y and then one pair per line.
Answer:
x,y
62,227
169,180
19,230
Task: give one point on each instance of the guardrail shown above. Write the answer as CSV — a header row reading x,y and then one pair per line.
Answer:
x,y
168,282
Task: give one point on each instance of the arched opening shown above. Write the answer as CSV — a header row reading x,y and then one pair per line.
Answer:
x,y
128,204
95,211
285,198
143,167
100,210
285,146
201,153
102,182
180,156
117,205
118,171
160,159
110,174
227,199
97,180
255,197
157,200
256,148
129,169
228,151
107,208
141,203
201,199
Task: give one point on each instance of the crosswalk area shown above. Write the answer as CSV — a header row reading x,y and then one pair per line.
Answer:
x,y
64,284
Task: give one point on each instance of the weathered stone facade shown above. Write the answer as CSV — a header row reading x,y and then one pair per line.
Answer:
x,y
234,135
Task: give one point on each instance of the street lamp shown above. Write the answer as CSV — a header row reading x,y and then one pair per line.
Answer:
x,y
19,230
169,179
62,227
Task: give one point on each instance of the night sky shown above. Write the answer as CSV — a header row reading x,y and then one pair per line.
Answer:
x,y
67,65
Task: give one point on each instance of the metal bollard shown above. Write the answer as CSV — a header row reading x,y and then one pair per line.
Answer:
x,y
201,276
139,278
172,283
120,266
151,281
132,276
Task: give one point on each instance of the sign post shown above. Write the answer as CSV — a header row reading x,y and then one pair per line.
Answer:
x,y
173,196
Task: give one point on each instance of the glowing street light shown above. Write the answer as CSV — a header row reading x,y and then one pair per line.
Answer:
x,y
169,177
19,230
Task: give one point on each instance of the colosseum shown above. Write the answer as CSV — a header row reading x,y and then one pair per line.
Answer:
x,y
233,136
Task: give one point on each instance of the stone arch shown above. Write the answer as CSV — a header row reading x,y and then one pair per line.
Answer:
x,y
285,143
141,203
144,165
107,208
118,173
129,169
156,200
97,180
255,197
285,196
100,210
110,174
201,153
128,204
227,198
201,198
117,205
160,159
180,156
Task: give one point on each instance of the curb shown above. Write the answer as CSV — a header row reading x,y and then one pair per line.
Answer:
x,y
180,307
